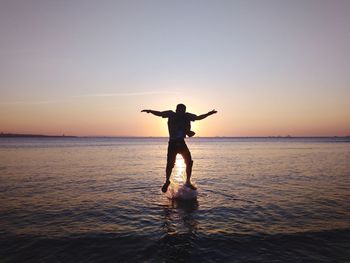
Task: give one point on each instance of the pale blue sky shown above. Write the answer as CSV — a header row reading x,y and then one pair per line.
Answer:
x,y
88,67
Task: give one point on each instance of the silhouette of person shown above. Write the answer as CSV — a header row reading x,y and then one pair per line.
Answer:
x,y
179,125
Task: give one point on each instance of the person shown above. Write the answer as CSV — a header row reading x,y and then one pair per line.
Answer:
x,y
179,125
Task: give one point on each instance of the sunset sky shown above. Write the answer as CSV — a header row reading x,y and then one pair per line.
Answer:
x,y
89,67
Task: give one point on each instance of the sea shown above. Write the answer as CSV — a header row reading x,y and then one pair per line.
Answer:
x,y
100,200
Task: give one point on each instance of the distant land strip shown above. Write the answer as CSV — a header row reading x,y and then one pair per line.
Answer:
x,y
34,135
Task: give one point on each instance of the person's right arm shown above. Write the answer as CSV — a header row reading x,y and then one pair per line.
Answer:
x,y
163,114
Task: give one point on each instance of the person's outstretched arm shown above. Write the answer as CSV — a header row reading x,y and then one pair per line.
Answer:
x,y
157,113
203,116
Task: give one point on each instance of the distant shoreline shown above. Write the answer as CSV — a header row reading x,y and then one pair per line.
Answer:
x,y
18,135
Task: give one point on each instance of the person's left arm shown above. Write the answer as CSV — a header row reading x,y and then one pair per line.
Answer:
x,y
203,116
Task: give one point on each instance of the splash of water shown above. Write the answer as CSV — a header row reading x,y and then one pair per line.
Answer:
x,y
181,192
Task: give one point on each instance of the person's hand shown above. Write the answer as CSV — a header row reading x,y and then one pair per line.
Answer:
x,y
212,112
148,111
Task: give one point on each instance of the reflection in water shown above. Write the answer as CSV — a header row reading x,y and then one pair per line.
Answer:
x,y
179,217
180,227
180,223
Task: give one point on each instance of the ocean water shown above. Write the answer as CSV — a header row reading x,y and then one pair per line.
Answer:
x,y
99,200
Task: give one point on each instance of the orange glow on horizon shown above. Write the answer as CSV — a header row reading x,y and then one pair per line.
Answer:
x,y
108,117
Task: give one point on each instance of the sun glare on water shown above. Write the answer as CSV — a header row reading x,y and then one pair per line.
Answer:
x,y
180,167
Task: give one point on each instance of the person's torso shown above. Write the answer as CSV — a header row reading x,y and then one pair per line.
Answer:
x,y
177,125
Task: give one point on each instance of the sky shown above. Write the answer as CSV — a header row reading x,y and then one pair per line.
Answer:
x,y
81,67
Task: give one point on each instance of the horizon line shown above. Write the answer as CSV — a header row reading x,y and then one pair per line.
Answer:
x,y
4,134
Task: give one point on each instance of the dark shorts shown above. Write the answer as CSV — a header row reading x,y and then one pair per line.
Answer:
x,y
175,147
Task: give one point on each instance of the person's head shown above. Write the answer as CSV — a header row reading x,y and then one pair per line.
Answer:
x,y
180,108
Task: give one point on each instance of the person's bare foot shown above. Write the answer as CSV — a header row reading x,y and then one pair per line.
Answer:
x,y
191,186
165,186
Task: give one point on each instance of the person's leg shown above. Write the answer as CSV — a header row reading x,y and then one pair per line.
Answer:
x,y
186,154
168,171
171,157
189,171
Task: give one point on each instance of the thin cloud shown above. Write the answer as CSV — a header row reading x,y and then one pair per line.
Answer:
x,y
31,102
119,94
128,94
